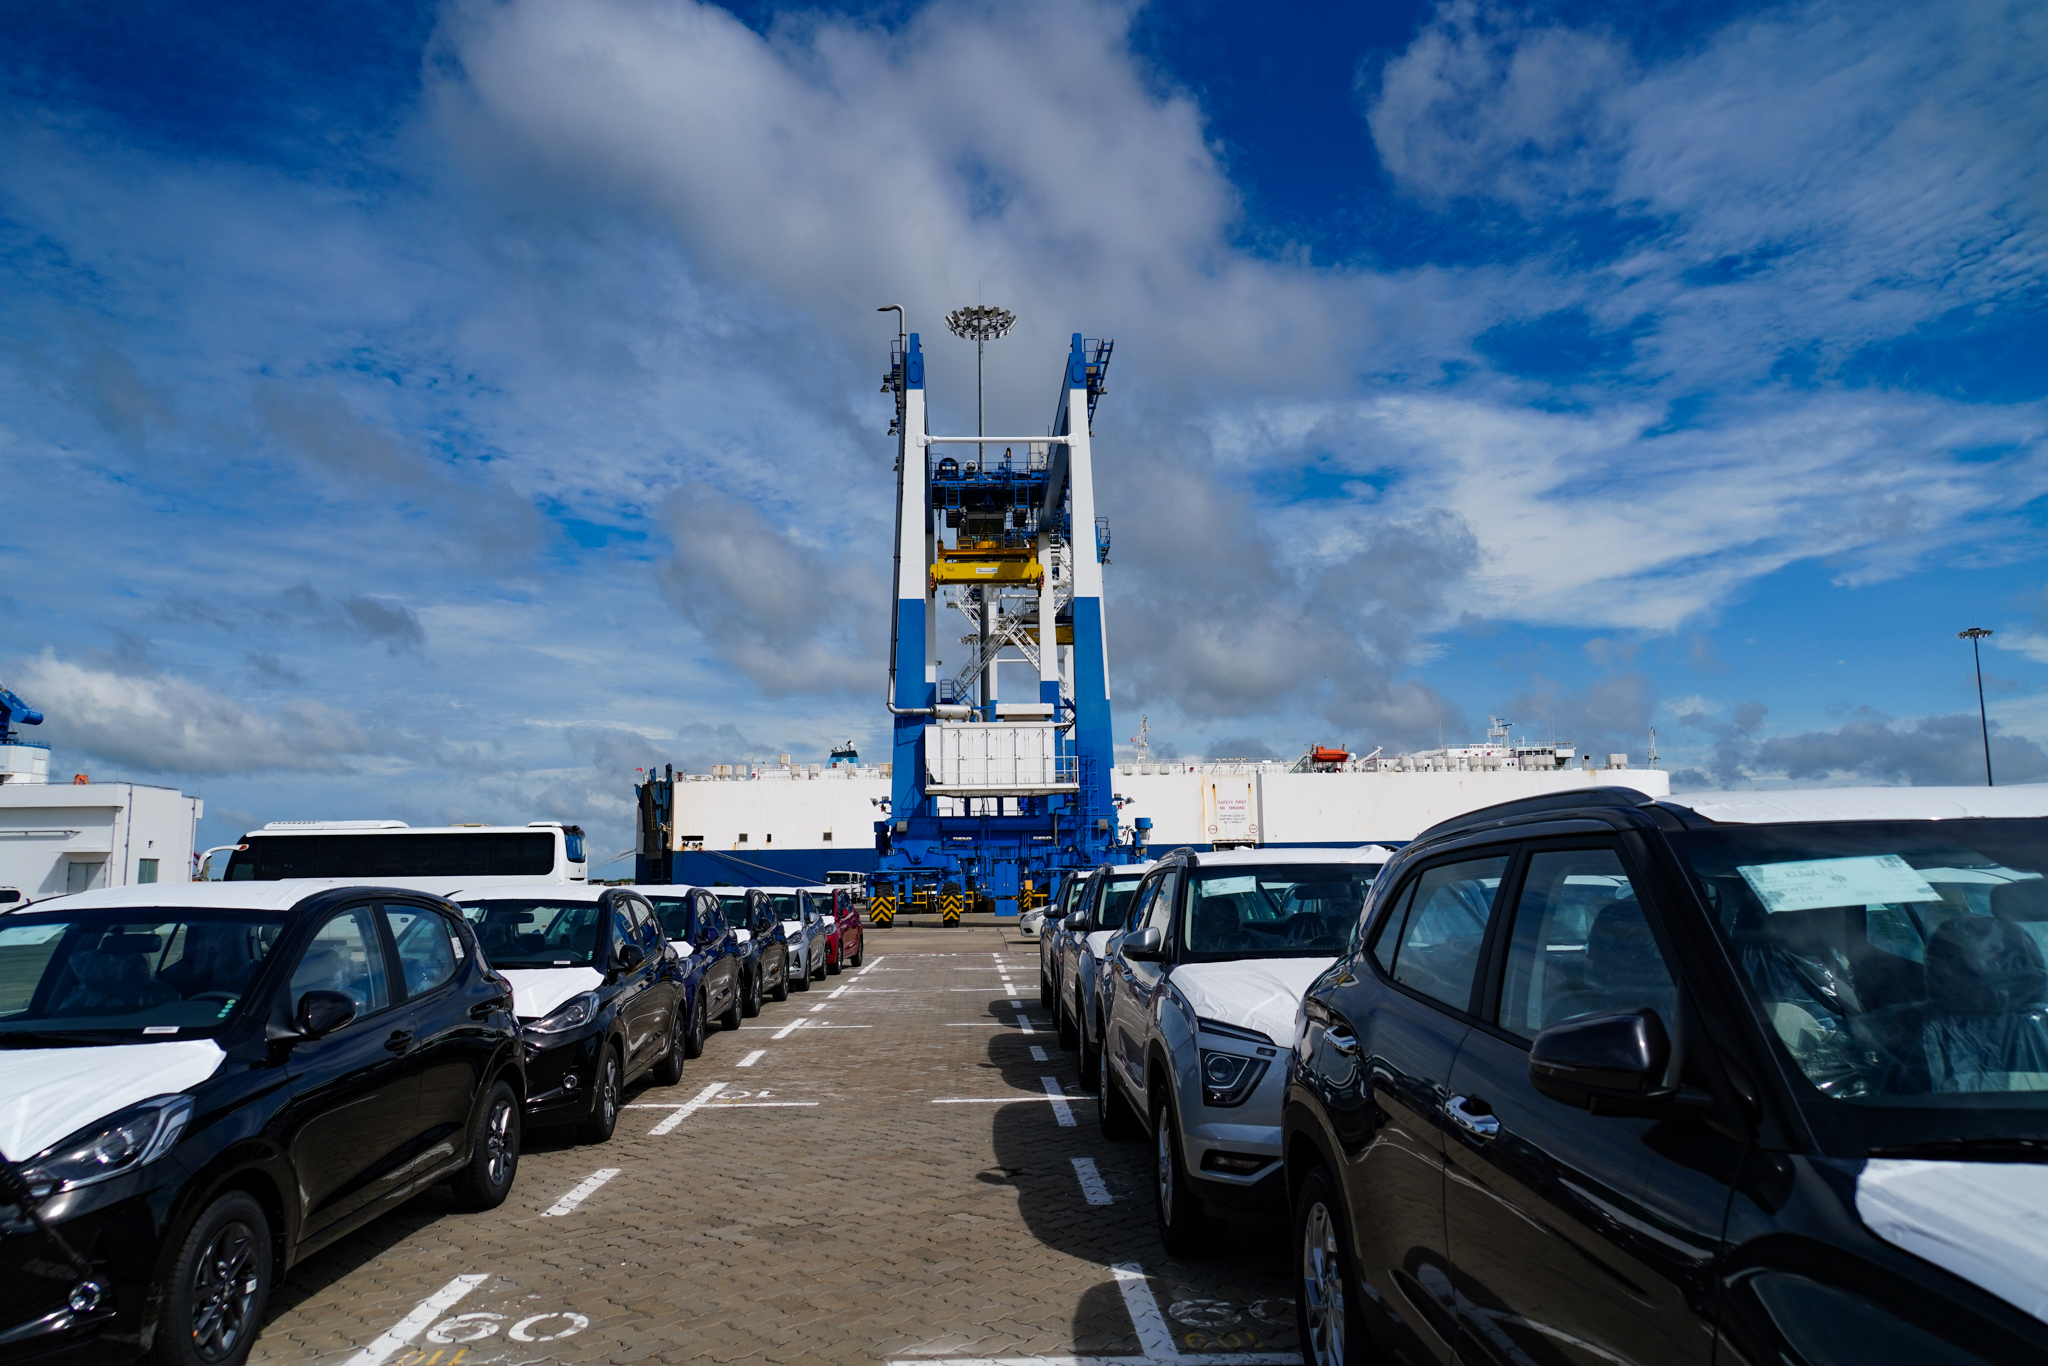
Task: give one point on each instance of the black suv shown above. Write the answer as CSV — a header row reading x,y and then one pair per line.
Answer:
x,y
202,1083
1735,1077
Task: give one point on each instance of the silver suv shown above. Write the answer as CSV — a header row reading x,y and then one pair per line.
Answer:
x,y
1200,995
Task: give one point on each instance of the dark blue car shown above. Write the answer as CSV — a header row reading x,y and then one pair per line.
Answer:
x,y
707,955
763,947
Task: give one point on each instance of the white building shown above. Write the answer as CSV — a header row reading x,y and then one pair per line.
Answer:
x,y
69,837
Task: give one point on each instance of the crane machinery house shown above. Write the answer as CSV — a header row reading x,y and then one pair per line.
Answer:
x,y
443,859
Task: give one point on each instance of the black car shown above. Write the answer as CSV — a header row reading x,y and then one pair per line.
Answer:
x,y
1737,1077
763,947
203,1083
599,998
696,929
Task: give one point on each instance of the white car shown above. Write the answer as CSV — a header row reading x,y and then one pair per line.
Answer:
x,y
1200,992
807,932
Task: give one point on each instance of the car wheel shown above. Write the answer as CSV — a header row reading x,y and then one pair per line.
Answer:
x,y
1112,1111
219,1286
604,1101
1091,1058
1044,991
1184,1226
669,1070
801,981
1327,1307
693,1032
1070,1037
860,955
733,1012
750,995
493,1152
782,983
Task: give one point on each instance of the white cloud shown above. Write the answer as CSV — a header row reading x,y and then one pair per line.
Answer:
x,y
165,724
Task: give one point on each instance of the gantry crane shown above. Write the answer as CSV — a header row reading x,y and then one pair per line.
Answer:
x,y
991,798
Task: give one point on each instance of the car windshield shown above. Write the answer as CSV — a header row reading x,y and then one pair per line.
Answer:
x,y
1288,910
1116,903
675,917
103,975
524,933
735,907
785,907
1899,964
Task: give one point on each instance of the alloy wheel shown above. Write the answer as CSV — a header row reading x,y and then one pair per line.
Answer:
x,y
608,1089
498,1154
1322,1287
1163,1160
225,1283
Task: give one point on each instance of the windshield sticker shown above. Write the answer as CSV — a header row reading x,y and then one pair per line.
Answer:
x,y
1811,884
30,934
159,1029
1228,886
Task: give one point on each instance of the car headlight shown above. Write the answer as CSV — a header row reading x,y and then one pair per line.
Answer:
x,y
120,1143
573,1013
1228,1078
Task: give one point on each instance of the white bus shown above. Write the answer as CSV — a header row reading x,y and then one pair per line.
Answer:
x,y
439,858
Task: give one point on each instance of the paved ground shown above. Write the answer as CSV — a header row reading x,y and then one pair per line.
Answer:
x,y
806,1200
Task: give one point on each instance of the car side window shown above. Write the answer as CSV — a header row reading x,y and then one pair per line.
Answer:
x,y
1581,945
427,947
1389,937
710,923
346,956
620,928
1141,904
646,929
1159,915
1444,928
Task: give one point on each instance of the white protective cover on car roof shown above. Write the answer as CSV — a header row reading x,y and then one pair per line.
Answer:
x,y
46,1093
1868,804
1985,1221
1252,993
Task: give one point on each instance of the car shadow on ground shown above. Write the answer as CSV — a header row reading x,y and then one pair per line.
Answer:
x,y
1230,1297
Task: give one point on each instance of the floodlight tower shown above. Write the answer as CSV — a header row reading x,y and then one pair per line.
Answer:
x,y
985,798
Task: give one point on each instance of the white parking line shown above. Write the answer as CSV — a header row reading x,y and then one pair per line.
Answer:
x,y
1155,1338
792,1027
581,1193
1024,1098
764,1105
752,1058
832,995
1038,1054
1024,1021
412,1325
683,1111
1092,1185
1061,1111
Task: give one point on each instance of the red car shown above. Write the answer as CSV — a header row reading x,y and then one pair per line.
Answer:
x,y
845,944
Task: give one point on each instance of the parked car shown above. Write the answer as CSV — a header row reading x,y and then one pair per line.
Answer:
x,y
1052,936
804,932
1201,991
598,998
1104,906
1728,1076
763,949
848,942
708,959
203,1083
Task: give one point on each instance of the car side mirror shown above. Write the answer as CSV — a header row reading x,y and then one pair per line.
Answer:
x,y
680,950
1145,946
1611,1065
323,1012
1077,921
631,956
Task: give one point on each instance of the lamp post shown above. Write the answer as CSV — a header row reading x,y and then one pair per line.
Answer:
x,y
980,324
1973,635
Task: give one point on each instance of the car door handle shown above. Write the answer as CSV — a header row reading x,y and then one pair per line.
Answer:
x,y
1483,1124
1343,1040
400,1040
483,1010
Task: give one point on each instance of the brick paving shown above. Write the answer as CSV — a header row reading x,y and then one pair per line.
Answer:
x,y
819,1209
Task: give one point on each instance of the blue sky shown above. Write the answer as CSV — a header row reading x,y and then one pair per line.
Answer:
x,y
442,410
